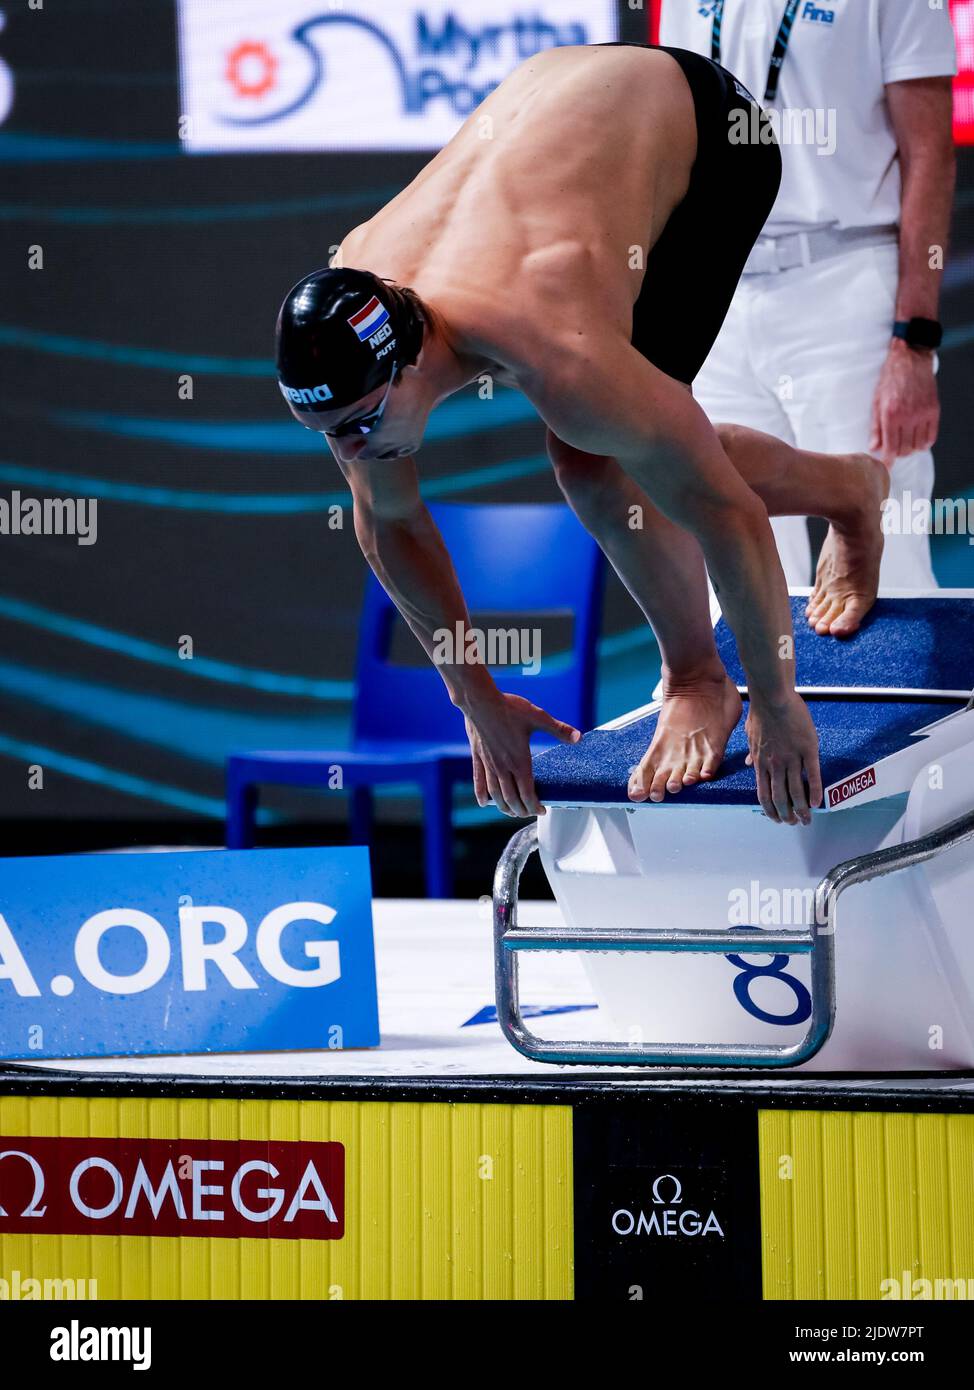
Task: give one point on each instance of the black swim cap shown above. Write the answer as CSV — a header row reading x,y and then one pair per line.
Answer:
x,y
339,333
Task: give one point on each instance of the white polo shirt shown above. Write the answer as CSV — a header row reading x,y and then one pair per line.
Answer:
x,y
831,93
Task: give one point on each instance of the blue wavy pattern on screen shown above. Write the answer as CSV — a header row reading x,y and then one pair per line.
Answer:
x,y
123,355
460,418
269,504
18,147
98,774
199,668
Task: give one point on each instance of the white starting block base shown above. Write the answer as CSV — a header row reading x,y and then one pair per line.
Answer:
x,y
904,942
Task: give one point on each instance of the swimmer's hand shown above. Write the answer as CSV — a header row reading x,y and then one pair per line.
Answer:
x,y
499,729
784,755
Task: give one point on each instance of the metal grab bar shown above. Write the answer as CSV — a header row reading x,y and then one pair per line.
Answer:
x,y
509,940
887,861
639,939
818,942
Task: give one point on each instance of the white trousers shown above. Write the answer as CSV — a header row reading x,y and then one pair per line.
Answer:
x,y
799,358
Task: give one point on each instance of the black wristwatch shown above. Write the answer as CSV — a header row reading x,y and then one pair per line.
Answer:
x,y
923,335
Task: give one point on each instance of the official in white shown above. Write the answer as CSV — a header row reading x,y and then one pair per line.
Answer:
x,y
831,341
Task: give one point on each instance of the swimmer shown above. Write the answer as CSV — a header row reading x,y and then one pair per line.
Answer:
x,y
581,239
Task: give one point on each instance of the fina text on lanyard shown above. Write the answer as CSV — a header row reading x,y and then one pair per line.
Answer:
x,y
780,44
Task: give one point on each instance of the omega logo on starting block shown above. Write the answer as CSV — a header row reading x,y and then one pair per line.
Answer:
x,y
852,786
668,1218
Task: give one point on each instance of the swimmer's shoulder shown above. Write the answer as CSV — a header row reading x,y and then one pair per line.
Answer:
x,y
351,250
528,353
487,325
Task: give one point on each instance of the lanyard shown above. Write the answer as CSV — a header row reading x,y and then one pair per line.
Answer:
x,y
780,44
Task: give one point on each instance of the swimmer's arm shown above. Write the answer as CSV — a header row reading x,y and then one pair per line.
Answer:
x,y
404,547
405,551
609,400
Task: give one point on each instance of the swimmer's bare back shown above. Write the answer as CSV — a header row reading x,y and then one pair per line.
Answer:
x,y
527,240
538,214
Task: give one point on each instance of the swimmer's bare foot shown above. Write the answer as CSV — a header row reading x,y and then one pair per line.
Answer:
x,y
697,719
847,579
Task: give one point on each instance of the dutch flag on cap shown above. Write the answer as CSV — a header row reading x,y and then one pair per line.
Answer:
x,y
370,319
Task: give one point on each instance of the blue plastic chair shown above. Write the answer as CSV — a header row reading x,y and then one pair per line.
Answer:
x,y
533,560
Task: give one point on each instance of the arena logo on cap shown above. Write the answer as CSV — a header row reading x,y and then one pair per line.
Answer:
x,y
306,395
277,1189
356,75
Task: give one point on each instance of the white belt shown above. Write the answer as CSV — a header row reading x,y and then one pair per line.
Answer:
x,y
772,254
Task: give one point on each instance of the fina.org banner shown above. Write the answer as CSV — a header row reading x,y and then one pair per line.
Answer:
x,y
354,75
112,955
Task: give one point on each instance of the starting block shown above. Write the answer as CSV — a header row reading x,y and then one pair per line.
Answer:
x,y
662,898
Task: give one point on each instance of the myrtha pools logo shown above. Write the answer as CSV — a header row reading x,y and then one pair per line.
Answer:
x,y
437,48
360,76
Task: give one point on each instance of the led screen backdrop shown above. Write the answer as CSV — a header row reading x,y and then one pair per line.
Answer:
x,y
215,605
963,15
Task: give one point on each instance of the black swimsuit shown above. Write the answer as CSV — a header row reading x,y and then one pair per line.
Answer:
x,y
693,270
